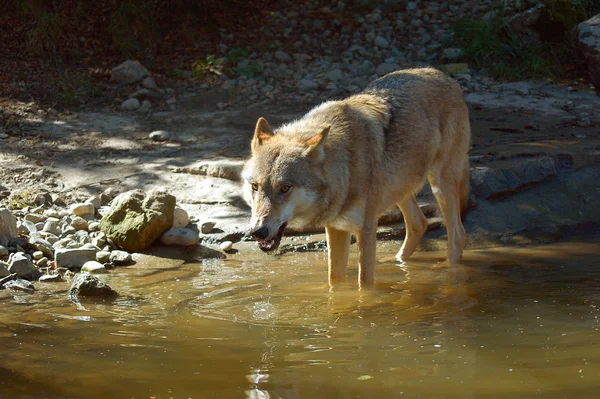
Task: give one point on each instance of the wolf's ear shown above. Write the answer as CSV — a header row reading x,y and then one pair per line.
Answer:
x,y
316,145
262,133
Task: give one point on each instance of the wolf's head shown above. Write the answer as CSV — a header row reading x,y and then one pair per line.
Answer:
x,y
282,180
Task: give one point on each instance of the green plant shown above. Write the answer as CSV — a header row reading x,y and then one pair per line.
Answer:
x,y
20,199
493,45
132,23
250,70
235,55
201,68
68,97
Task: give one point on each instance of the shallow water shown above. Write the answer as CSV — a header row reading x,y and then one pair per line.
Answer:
x,y
510,323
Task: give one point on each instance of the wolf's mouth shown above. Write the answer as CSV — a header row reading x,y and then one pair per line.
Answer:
x,y
273,243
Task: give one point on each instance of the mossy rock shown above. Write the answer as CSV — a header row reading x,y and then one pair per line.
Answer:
x,y
136,218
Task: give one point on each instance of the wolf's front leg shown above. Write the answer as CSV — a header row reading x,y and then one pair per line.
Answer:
x,y
338,246
367,244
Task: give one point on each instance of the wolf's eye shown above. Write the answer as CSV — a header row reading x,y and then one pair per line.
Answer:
x,y
285,188
254,187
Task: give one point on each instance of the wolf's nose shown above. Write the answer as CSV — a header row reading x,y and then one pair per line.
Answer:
x,y
261,233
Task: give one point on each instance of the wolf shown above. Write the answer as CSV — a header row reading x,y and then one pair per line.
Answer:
x,y
347,161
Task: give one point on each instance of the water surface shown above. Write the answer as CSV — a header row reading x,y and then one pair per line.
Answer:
x,y
510,323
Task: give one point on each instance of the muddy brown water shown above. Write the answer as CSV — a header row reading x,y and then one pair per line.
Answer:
x,y
510,323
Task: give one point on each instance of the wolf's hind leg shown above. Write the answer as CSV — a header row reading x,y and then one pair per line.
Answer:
x,y
447,190
416,224
338,244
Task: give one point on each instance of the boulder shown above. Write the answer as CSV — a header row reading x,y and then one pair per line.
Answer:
x,y
19,285
75,257
136,219
8,226
23,267
129,72
120,258
94,267
87,285
589,38
180,236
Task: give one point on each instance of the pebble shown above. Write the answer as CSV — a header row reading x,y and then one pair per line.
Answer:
x,y
282,56
51,278
94,226
79,223
120,258
149,83
94,267
35,218
37,255
306,84
131,104
160,135
3,251
381,42
83,209
103,256
52,226
226,246
42,262
180,236
207,227
180,218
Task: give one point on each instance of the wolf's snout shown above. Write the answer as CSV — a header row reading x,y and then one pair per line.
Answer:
x,y
260,233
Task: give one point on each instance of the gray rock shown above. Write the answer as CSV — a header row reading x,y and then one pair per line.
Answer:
x,y
52,226
93,267
136,219
35,218
306,84
19,285
103,256
87,285
8,226
180,236
589,39
282,56
131,104
207,227
3,270
79,223
129,72
51,278
145,107
37,255
452,53
381,42
412,5
73,257
3,251
94,226
149,83
23,267
385,68
160,135
43,246
487,182
226,246
335,75
120,258
95,200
